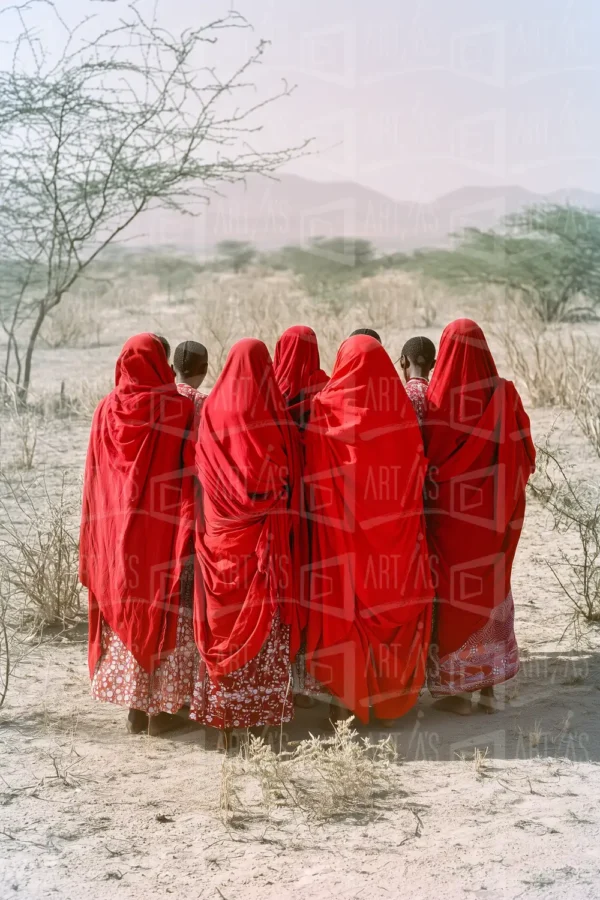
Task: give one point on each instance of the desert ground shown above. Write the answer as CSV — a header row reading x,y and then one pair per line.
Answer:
x,y
495,807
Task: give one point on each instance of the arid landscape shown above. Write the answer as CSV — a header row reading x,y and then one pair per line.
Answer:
x,y
488,806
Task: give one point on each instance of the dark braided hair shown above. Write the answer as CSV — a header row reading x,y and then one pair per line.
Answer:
x,y
420,351
368,331
190,359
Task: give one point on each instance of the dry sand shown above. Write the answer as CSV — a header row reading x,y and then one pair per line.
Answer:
x,y
87,811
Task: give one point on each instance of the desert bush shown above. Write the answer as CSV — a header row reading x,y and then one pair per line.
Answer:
x,y
39,555
574,505
73,323
79,402
557,369
587,413
4,650
323,777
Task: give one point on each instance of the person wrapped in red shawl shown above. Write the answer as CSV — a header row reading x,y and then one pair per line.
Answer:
x,y
246,605
370,606
477,439
136,533
298,371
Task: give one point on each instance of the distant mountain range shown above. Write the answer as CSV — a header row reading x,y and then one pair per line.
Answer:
x,y
292,210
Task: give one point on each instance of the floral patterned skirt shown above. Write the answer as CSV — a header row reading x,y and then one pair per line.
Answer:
x,y
120,679
488,657
260,693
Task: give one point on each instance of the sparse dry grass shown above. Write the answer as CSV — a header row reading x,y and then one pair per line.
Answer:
x,y
479,759
555,368
323,777
574,505
75,322
39,555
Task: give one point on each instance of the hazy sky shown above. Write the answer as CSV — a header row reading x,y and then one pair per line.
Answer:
x,y
419,98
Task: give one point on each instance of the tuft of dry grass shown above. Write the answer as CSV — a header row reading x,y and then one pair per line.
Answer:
x,y
323,777
39,555
25,427
536,734
479,760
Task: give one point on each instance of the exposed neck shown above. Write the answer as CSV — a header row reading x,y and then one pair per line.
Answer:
x,y
414,371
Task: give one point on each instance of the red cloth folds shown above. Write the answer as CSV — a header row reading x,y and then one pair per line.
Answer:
x,y
478,442
137,516
248,461
371,594
297,367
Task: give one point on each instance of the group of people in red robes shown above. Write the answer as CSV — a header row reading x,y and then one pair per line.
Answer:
x,y
296,535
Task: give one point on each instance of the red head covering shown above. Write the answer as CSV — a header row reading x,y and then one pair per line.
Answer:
x,y
478,442
137,505
249,466
371,593
297,364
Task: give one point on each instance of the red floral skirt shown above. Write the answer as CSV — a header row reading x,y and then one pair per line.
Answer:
x,y
260,693
120,679
488,657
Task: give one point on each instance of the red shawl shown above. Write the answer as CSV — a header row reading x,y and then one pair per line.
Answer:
x,y
249,466
297,367
137,506
478,442
371,594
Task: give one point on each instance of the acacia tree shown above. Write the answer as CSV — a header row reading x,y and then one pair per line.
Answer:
x,y
549,256
119,120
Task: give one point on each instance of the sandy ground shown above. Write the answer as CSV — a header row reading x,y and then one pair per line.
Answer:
x,y
87,811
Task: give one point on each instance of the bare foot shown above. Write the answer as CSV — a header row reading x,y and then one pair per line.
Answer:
x,y
137,721
487,701
303,701
460,704
164,722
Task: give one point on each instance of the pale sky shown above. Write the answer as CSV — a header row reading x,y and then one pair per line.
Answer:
x,y
419,98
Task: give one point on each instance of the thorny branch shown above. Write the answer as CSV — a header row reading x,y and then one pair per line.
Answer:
x,y
120,120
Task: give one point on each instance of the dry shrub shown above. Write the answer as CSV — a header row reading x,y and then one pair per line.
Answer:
x,y
324,777
73,323
557,369
587,413
79,402
574,505
39,555
4,650
25,434
19,432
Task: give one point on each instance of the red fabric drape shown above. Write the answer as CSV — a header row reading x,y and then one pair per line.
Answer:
x,y
137,515
297,367
478,442
371,596
248,461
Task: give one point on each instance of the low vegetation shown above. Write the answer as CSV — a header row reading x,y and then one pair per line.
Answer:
x,y
574,505
338,776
